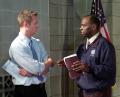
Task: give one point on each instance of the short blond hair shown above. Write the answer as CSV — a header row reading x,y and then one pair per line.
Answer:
x,y
26,15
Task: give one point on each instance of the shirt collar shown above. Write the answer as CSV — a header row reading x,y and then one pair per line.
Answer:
x,y
24,38
92,39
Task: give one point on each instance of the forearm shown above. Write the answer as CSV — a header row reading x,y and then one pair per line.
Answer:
x,y
29,64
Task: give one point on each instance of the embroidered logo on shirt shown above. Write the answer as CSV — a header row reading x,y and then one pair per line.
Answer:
x,y
92,52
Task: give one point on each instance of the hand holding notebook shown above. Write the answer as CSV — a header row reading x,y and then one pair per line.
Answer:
x,y
70,61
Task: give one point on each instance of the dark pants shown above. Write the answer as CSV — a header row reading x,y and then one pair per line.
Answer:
x,y
30,91
104,93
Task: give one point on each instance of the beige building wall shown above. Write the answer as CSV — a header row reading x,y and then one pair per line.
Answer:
x,y
61,44
116,40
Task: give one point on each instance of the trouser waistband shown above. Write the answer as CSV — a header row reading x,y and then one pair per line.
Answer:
x,y
41,85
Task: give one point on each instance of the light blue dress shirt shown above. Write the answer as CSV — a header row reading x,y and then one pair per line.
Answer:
x,y
20,52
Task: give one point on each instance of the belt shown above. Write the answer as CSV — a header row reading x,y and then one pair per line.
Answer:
x,y
41,85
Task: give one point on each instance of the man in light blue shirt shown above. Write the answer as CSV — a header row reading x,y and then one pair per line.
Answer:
x,y
33,69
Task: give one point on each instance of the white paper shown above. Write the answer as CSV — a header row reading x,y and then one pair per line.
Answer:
x,y
13,70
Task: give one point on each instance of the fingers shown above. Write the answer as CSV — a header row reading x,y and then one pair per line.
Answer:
x,y
76,62
77,67
23,72
61,62
80,67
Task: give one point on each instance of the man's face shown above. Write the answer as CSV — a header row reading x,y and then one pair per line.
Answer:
x,y
85,27
33,27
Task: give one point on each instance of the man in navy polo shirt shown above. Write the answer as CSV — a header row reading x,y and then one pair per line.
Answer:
x,y
98,61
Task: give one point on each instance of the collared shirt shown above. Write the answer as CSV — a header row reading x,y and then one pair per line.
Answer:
x,y
91,40
20,52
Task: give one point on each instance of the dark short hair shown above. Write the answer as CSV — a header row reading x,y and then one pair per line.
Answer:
x,y
94,20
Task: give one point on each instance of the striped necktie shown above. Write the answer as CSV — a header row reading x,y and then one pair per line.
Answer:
x,y
35,57
33,50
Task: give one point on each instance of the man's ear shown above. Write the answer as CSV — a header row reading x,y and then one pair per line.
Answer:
x,y
25,24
